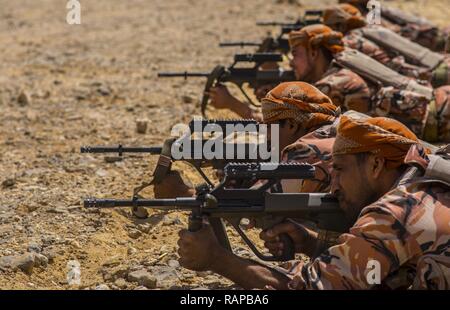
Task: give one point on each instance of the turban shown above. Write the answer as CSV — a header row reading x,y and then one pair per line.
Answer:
x,y
315,36
344,15
378,135
355,2
299,101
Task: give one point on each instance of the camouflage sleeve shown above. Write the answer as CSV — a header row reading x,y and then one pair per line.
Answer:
x,y
308,154
376,238
406,106
442,112
358,42
347,90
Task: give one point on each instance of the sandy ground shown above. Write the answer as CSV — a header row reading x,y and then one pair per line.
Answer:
x,y
87,85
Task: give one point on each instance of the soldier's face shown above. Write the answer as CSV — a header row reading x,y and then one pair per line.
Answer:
x,y
289,132
351,184
301,63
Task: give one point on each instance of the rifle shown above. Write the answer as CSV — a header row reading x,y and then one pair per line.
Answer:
x,y
279,43
250,150
233,205
269,44
238,76
311,17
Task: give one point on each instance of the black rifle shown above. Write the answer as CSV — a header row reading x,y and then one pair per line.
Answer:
x,y
250,151
270,44
279,43
311,17
234,205
239,76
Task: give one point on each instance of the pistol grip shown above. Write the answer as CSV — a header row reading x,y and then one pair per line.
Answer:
x,y
195,223
288,248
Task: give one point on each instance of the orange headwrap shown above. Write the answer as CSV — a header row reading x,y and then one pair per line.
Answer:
x,y
379,135
299,101
314,36
344,17
355,2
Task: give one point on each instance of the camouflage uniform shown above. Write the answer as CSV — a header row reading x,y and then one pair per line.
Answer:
x,y
347,89
313,148
429,120
406,231
356,41
421,31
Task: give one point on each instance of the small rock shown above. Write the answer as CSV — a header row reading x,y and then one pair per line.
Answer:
x,y
165,249
101,173
104,91
113,159
121,283
187,99
7,262
23,99
34,247
8,183
131,251
212,282
143,277
119,272
74,243
25,262
51,254
173,263
145,228
112,262
141,288
134,233
165,275
41,260
102,287
167,221
141,126
32,207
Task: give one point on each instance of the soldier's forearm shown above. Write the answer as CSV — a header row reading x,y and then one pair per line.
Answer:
x,y
242,109
247,273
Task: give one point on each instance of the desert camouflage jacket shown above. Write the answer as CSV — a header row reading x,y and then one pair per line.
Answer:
x,y
428,119
347,89
404,237
313,148
356,41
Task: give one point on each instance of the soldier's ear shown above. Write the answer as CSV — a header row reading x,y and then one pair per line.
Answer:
x,y
313,53
378,164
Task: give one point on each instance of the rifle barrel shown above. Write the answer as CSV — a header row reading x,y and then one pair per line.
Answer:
x,y
178,203
183,74
241,44
277,24
120,149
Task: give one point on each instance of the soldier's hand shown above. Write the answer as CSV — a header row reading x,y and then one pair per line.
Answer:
x,y
198,249
304,238
220,97
172,186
